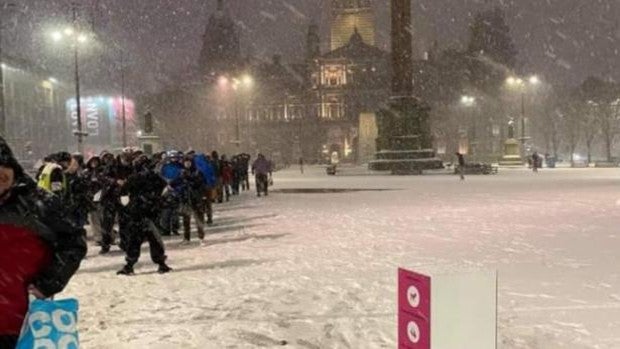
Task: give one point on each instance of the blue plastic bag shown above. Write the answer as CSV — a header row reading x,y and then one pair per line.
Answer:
x,y
50,325
171,171
204,166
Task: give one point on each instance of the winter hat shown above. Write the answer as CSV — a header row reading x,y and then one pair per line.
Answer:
x,y
7,159
93,159
63,156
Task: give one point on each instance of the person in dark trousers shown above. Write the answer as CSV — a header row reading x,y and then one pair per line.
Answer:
x,y
244,165
262,170
217,166
116,171
193,199
109,200
94,182
77,196
461,160
237,175
40,249
169,215
143,188
227,177
210,182
536,162
301,165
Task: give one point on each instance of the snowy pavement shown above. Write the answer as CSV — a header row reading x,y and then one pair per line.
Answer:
x,y
318,270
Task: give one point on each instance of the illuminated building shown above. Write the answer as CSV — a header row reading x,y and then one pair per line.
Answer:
x,y
349,15
348,83
221,51
35,111
102,120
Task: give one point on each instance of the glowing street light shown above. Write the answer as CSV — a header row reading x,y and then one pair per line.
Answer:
x,y
245,81
521,85
56,36
468,101
76,37
223,81
513,81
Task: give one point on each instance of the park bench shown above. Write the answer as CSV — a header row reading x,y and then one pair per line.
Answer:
x,y
478,169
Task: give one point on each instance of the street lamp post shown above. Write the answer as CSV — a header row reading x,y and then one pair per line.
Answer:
x,y
522,85
73,32
3,6
236,84
123,113
470,102
237,122
76,54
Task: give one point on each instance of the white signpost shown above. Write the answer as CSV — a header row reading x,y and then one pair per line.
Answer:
x,y
447,310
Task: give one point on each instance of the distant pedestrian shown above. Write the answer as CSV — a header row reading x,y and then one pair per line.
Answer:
x,y
301,165
262,169
536,162
461,168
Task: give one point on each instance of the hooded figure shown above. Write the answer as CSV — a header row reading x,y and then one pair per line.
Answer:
x,y
52,177
40,249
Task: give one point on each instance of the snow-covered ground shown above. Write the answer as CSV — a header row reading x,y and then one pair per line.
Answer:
x,y
319,270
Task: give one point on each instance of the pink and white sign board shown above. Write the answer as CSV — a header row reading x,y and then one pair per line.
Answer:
x,y
447,311
414,310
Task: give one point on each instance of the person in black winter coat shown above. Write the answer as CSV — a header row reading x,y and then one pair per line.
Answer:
x,y
143,188
93,177
461,161
193,203
218,167
116,174
40,249
77,198
108,200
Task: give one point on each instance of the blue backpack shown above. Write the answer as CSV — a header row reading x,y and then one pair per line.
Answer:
x,y
171,172
205,167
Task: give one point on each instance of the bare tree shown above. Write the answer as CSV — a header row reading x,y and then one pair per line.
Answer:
x,y
601,97
590,129
550,125
571,125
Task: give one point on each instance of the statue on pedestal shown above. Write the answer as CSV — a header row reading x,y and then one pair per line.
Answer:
x,y
511,129
512,154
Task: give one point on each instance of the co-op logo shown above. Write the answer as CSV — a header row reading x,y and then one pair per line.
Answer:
x,y
60,322
413,296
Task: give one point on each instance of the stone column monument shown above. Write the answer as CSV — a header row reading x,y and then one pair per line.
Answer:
x,y
404,144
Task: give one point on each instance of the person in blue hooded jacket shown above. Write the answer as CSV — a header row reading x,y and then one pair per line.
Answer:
x,y
171,170
205,167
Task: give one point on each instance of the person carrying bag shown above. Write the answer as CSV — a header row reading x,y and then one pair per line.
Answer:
x,y
40,249
50,324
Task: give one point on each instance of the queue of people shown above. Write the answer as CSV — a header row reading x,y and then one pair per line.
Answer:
x,y
130,198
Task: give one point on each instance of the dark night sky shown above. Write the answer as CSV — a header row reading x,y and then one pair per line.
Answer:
x,y
562,40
